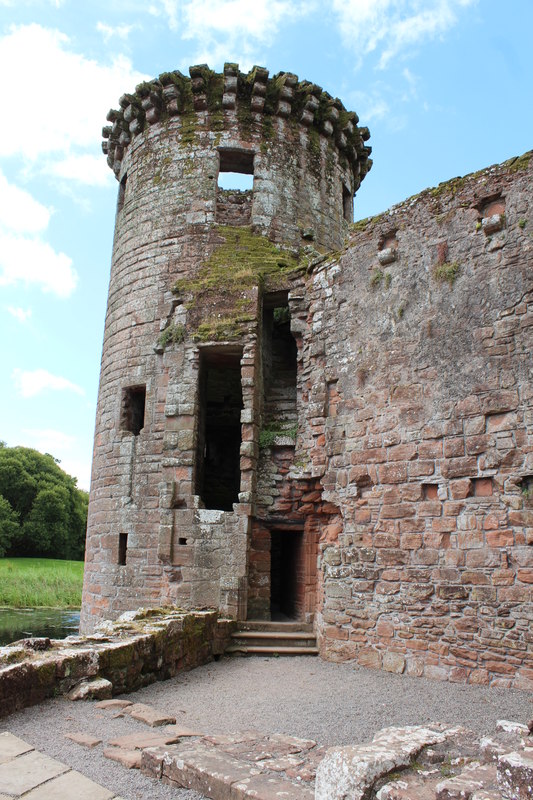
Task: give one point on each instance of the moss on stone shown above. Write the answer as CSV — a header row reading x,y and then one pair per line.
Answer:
x,y
519,163
243,259
172,334
447,272
241,263
222,329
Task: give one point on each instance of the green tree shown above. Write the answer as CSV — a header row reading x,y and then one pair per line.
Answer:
x,y
9,525
50,510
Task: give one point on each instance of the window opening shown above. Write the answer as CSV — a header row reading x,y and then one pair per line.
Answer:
x,y
347,204
218,475
121,193
280,415
132,410
235,181
122,548
235,187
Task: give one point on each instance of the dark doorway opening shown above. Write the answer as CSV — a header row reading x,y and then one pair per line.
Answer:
x,y
286,574
218,475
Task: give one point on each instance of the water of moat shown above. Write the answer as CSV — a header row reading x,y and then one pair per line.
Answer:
x,y
19,623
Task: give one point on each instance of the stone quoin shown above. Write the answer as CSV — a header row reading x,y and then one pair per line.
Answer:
x,y
301,417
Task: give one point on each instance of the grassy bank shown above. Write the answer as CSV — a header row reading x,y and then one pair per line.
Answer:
x,y
40,582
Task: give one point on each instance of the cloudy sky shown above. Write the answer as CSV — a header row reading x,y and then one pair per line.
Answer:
x,y
444,85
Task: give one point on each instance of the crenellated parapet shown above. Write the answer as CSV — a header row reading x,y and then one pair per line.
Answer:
x,y
254,99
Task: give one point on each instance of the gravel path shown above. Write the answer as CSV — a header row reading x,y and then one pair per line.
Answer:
x,y
302,696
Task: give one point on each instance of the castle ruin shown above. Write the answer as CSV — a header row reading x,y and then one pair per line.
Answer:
x,y
307,418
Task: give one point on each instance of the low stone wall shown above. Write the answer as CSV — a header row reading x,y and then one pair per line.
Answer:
x,y
140,648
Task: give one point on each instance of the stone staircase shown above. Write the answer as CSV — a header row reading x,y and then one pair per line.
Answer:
x,y
272,638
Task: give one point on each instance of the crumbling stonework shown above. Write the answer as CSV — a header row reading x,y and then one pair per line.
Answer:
x,y
427,450
343,438
139,648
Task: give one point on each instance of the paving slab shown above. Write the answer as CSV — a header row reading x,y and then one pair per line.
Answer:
x,y
113,704
149,715
84,739
182,732
27,772
11,747
140,741
69,786
131,759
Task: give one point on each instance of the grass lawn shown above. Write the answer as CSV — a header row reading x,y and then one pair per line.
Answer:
x,y
40,582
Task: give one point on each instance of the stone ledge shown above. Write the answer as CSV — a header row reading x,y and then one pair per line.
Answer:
x,y
139,648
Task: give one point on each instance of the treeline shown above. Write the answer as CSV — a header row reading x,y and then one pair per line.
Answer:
x,y
42,511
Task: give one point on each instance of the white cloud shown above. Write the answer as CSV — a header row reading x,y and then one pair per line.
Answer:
x,y
259,20
48,440
80,469
87,169
70,98
25,260
55,3
22,314
108,31
392,26
35,262
29,383
170,7
66,448
19,211
230,29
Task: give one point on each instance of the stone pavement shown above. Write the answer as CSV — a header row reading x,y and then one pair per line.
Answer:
x,y
26,773
430,762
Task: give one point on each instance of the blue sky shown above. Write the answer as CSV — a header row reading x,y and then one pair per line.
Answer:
x,y
445,87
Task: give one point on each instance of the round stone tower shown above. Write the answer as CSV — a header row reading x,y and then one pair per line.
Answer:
x,y
199,363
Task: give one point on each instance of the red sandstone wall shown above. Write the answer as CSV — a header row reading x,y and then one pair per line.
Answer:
x,y
166,228
418,398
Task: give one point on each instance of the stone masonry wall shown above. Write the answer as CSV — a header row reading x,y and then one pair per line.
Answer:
x,y
149,539
142,647
416,383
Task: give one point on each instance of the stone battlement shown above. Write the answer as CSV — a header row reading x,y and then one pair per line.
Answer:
x,y
253,97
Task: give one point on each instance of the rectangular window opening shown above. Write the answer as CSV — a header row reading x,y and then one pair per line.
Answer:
x,y
480,487
218,472
235,187
182,540
122,548
280,369
132,409
347,204
430,491
121,193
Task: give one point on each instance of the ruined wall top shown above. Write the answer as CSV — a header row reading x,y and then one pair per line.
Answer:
x,y
255,100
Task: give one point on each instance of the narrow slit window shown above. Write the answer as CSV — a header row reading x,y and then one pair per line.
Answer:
x,y
121,193
347,204
235,187
218,474
132,409
122,548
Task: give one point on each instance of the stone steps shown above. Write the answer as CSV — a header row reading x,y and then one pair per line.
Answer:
x,y
273,638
